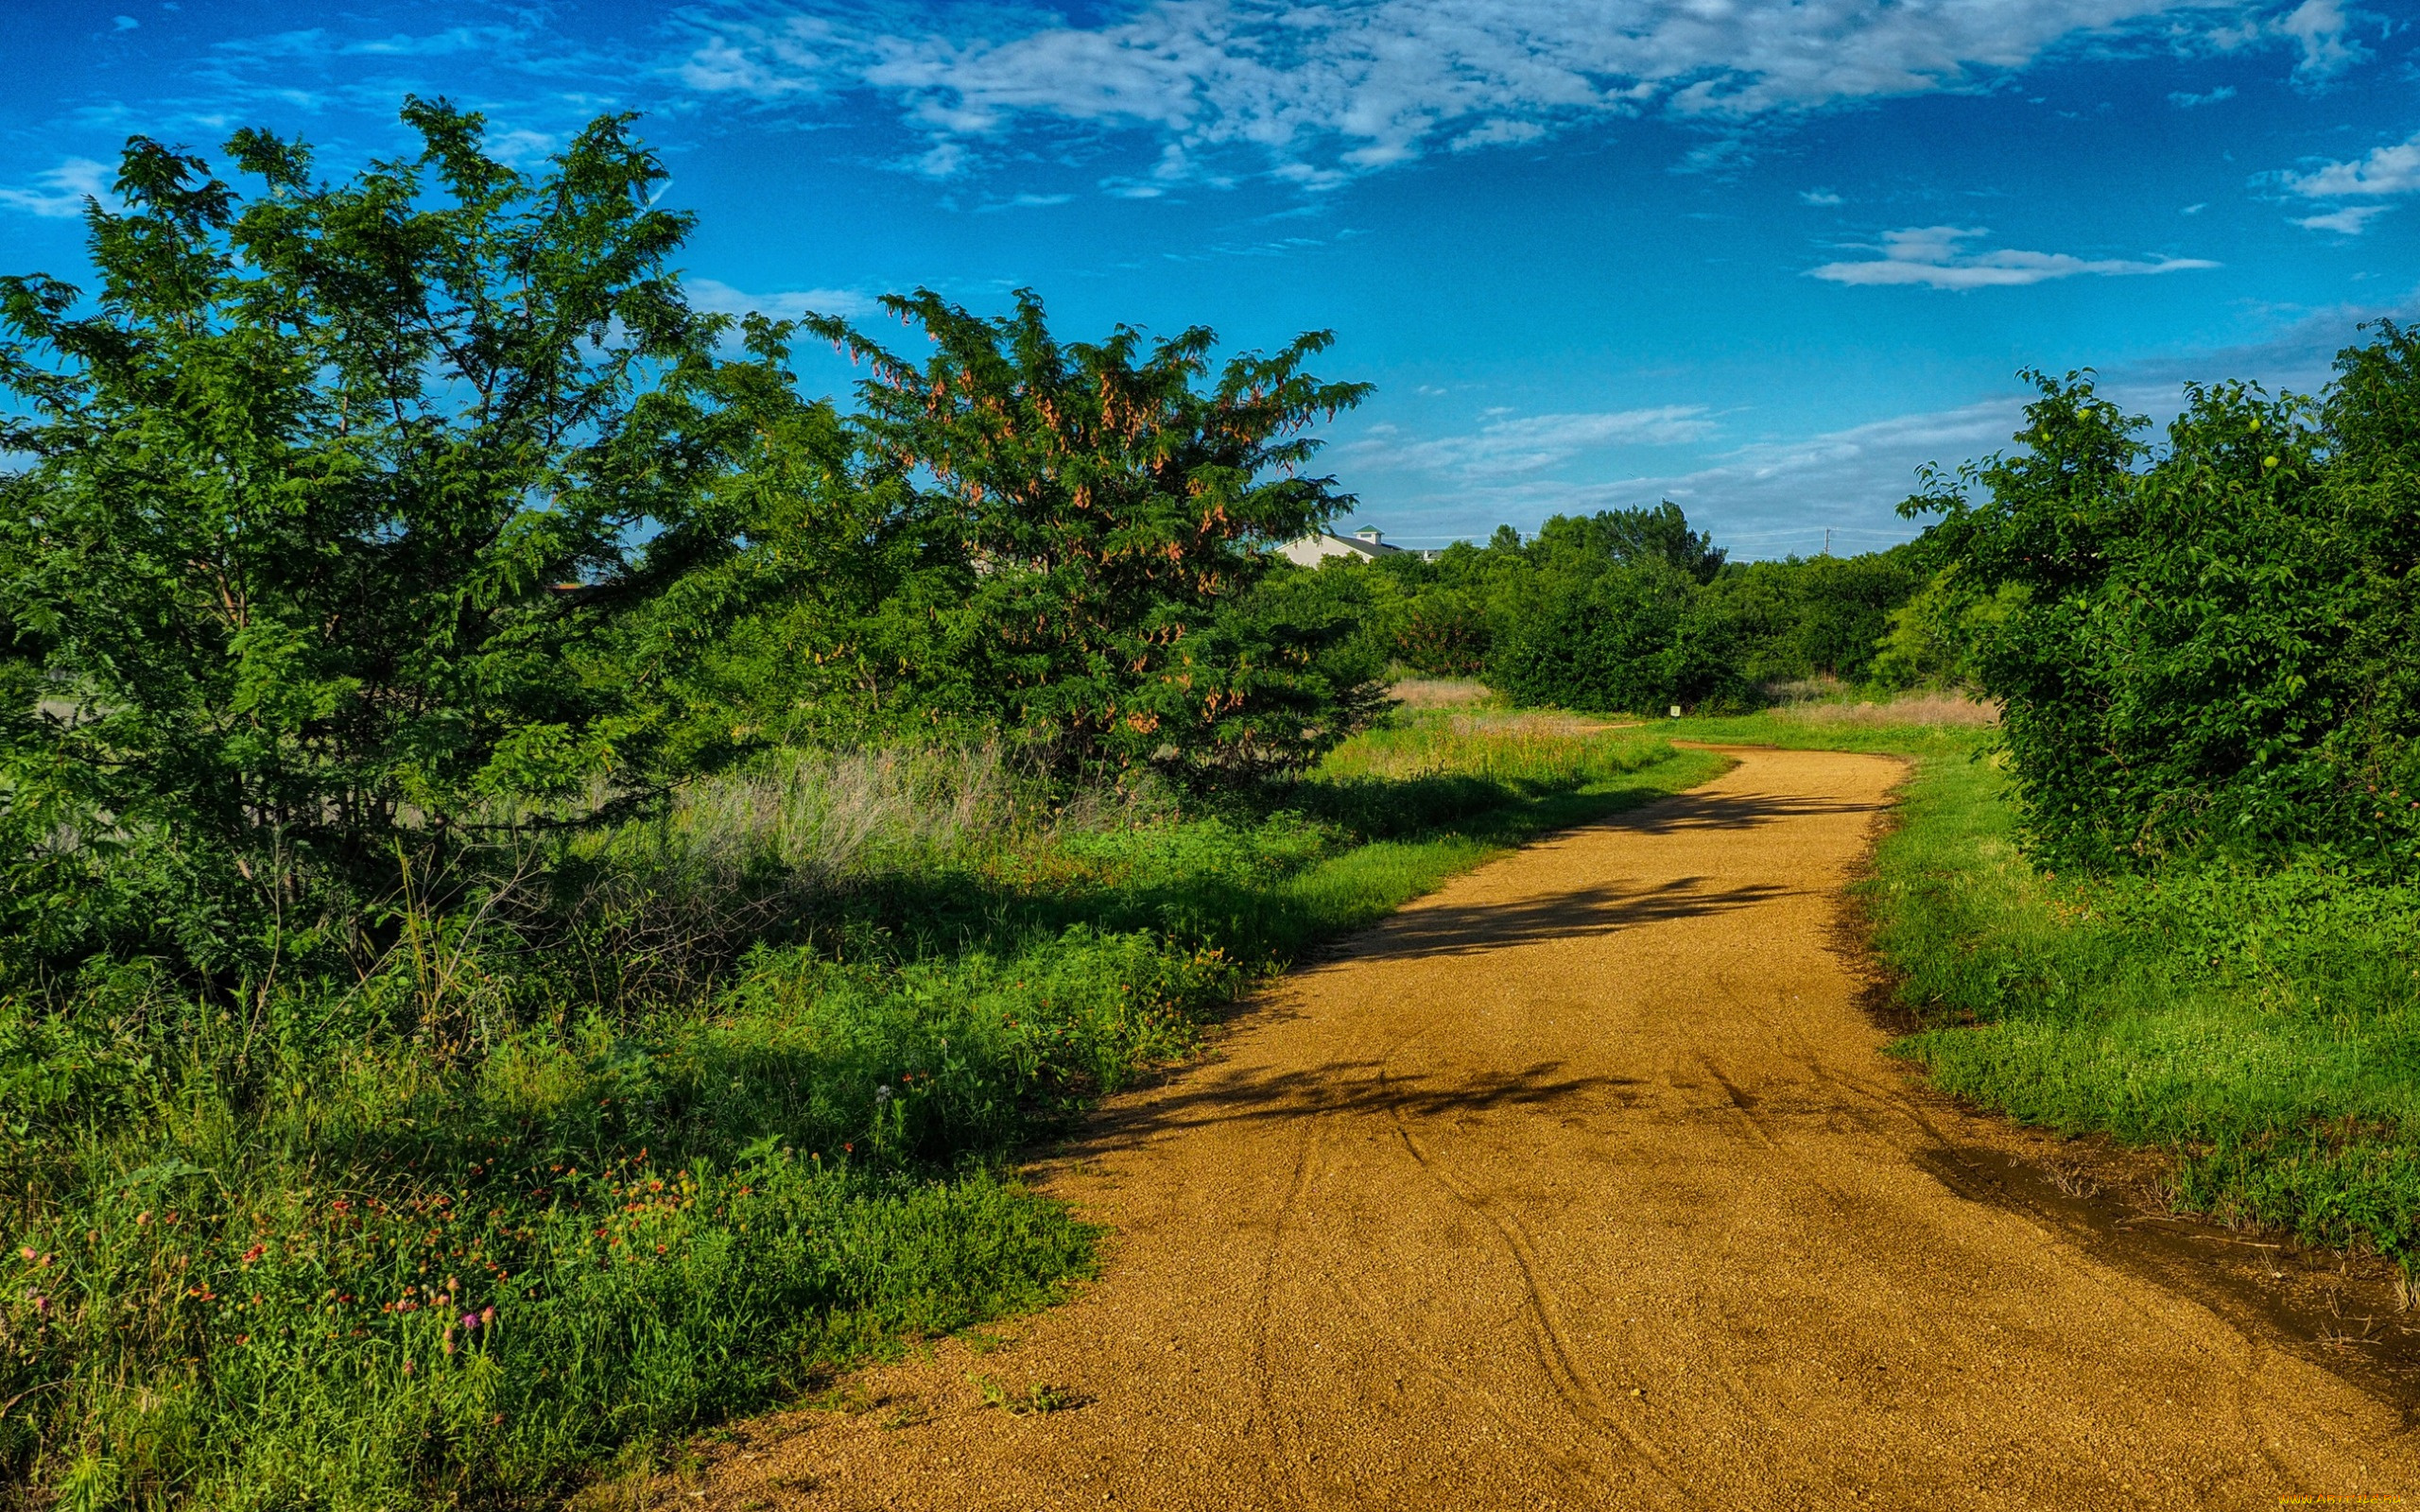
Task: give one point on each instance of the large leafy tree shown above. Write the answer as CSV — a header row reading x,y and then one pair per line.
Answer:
x,y
332,498
2208,644
1079,529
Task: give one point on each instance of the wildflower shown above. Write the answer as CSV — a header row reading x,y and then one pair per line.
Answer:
x,y
27,1253
254,1253
142,1220
42,1304
487,1315
407,1368
882,1094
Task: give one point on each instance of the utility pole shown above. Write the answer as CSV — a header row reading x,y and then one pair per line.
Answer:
x,y
1827,541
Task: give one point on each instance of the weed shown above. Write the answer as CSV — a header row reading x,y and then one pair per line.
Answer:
x,y
706,1110
1034,1400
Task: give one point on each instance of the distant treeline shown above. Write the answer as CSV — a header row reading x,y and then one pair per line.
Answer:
x,y
1632,610
2205,646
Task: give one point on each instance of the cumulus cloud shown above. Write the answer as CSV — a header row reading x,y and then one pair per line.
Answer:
x,y
2388,170
62,190
1935,257
1511,446
2321,30
2185,101
2380,173
1358,84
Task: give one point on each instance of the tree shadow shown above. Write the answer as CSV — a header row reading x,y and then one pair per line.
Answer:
x,y
1579,913
1738,811
1214,1095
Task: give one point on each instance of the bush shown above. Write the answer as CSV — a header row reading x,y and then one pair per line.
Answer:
x,y
1637,638
334,513
2210,644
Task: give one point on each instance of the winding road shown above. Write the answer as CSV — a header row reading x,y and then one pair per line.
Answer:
x,y
1582,1183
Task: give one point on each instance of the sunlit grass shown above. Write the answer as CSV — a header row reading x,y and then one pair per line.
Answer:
x,y
2261,1026
725,1102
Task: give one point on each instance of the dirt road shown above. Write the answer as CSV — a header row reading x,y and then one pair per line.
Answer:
x,y
1581,1184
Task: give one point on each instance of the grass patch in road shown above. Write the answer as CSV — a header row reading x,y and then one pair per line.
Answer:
x,y
2260,1025
468,1228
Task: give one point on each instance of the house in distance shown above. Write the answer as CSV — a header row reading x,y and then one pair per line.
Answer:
x,y
1362,544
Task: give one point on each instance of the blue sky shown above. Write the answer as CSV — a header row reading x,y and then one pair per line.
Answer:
x,y
1760,258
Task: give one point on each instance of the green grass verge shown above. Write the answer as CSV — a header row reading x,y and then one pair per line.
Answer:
x,y
466,1235
2262,1027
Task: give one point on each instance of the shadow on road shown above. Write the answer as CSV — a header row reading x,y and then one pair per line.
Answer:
x,y
1462,929
1347,1086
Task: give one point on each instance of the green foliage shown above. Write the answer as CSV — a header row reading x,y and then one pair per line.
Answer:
x,y
1076,571
2212,646
1932,638
333,510
1632,610
461,1231
1574,545
1812,617
1634,638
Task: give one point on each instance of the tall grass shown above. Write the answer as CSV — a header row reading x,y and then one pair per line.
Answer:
x,y
672,1124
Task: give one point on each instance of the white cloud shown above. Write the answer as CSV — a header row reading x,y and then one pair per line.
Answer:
x,y
2347,221
2379,173
1819,196
63,190
522,148
719,298
2319,29
1358,84
2388,170
1513,447
1780,494
1934,256
2184,101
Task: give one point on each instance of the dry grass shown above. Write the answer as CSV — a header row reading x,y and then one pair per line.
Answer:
x,y
1950,709
1441,693
1497,745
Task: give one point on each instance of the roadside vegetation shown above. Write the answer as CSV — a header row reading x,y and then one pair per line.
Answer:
x,y
547,879
514,1203
550,879
2173,895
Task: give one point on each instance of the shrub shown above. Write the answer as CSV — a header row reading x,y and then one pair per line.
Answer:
x,y
334,506
1636,637
2212,643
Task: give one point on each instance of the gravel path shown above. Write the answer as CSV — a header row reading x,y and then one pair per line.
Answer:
x,y
1582,1183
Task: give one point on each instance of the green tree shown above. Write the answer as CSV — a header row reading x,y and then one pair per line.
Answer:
x,y
1087,514
1808,617
2212,640
336,498
1638,638
1933,640
1612,538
